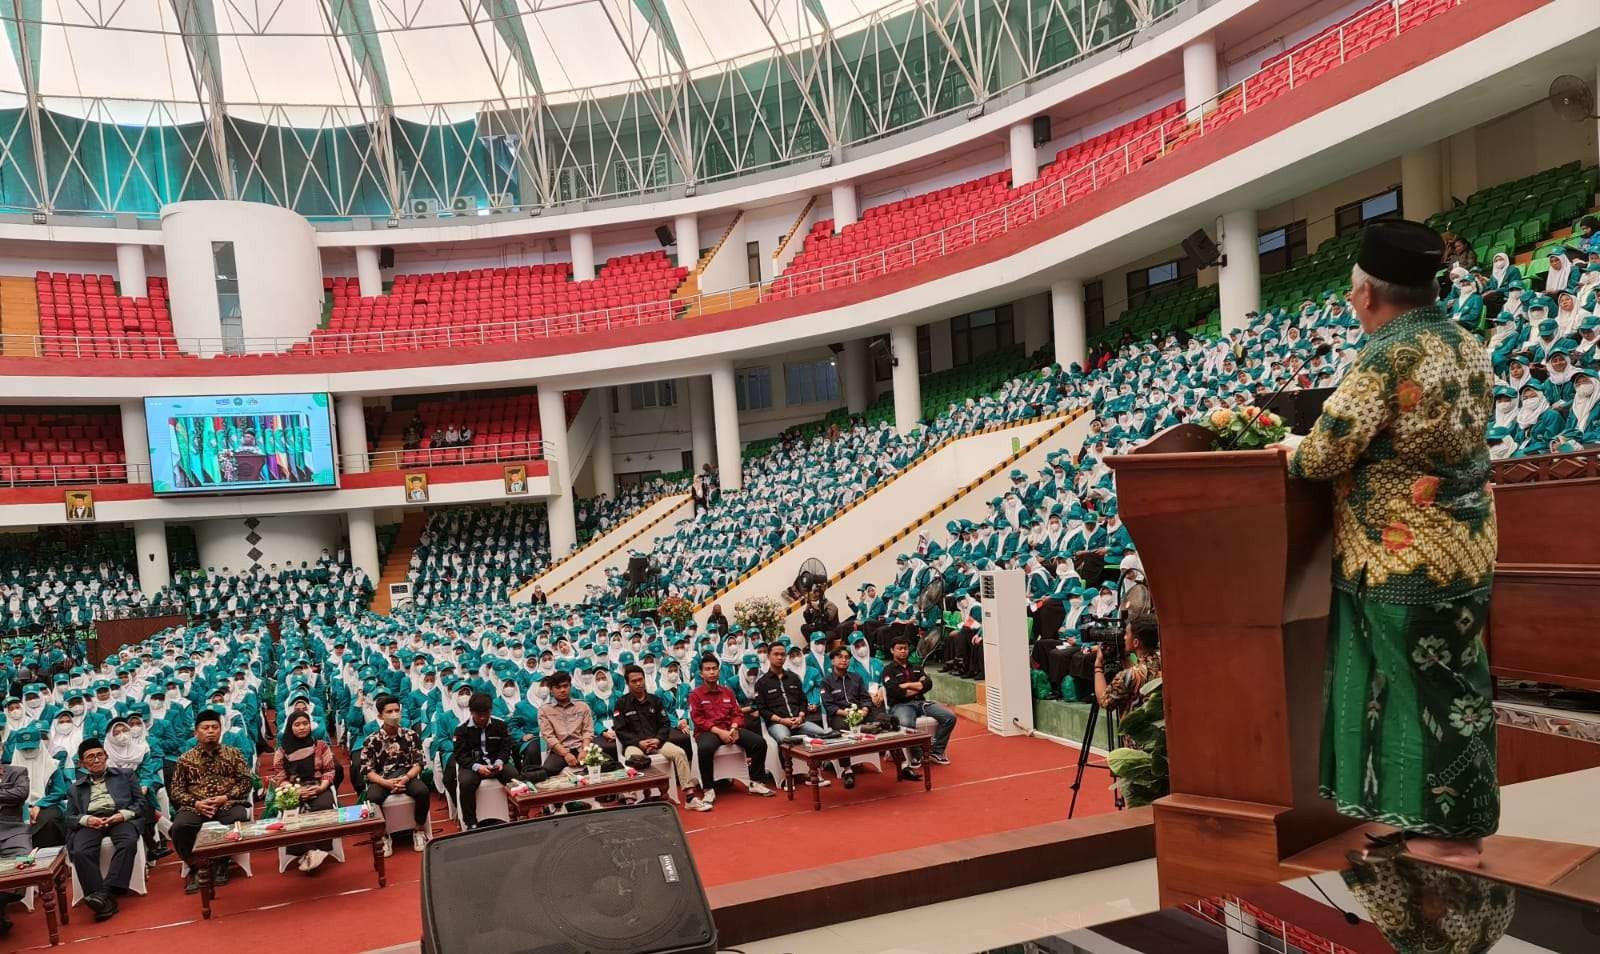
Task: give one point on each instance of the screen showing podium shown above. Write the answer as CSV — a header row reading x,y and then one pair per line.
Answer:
x,y
233,443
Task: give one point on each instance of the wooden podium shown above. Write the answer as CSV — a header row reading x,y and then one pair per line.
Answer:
x,y
1239,559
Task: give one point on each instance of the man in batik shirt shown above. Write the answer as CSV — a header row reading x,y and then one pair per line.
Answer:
x,y
1408,732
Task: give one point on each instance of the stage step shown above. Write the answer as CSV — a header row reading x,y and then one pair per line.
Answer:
x,y
19,317
398,564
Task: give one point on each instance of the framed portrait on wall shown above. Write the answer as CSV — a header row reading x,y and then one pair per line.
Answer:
x,y
516,478
416,488
80,506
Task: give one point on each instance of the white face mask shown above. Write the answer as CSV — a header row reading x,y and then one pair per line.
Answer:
x,y
137,731
76,708
602,687
670,679
509,692
862,653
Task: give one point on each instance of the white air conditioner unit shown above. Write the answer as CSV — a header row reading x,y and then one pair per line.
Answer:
x,y
424,206
1008,685
462,204
502,200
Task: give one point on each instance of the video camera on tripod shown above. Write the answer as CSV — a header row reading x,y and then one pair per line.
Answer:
x,y
1106,633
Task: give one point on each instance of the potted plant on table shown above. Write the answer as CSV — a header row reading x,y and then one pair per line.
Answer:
x,y
853,717
592,759
286,799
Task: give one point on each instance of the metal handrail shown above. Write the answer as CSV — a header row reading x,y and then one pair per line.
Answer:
x,y
72,475
1041,200
517,452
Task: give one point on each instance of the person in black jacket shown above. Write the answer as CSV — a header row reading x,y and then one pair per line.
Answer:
x,y
103,803
482,750
843,687
781,701
907,689
643,728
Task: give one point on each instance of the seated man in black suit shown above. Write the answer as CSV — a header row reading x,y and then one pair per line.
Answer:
x,y
482,750
103,803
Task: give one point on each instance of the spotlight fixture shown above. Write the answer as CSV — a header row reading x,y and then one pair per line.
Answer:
x,y
826,160
975,110
38,217
393,222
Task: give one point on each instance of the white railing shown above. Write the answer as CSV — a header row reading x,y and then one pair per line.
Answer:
x,y
517,452
1334,46
75,475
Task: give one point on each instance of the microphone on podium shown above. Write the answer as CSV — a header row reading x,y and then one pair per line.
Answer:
x,y
1319,351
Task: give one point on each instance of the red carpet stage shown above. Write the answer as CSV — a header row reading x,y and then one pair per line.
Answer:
x,y
995,785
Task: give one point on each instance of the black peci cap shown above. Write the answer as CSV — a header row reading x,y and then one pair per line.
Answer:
x,y
1401,252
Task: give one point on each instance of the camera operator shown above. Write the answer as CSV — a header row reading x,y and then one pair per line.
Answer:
x,y
1140,639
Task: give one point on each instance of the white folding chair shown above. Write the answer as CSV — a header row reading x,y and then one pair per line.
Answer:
x,y
491,801
242,859
397,809
285,859
659,761
136,882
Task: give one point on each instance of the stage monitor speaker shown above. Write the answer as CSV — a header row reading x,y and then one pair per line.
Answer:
x,y
386,256
638,569
664,235
1201,250
1041,130
604,882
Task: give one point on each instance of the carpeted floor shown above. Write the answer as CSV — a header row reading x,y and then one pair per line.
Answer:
x,y
994,784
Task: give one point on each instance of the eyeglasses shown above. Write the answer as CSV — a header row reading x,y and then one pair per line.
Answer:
x,y
92,757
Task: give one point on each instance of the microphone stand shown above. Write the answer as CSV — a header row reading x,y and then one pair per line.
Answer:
x,y
1321,350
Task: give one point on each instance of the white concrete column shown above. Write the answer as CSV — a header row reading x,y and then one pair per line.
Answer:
x,y
907,384
559,506
687,232
605,477
135,442
1239,282
131,271
1034,314
1024,155
150,553
702,438
368,275
1200,76
853,375
1071,326
941,353
352,424
363,532
725,408
846,210
1463,163
1420,183
582,242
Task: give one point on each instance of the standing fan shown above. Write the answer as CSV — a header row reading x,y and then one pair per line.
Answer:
x,y
812,573
931,597
1572,99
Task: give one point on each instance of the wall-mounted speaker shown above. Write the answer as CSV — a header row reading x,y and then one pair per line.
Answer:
x,y
1201,250
605,882
664,235
386,256
1041,130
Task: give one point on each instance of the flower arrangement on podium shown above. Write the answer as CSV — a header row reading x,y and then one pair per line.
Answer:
x,y
1245,428
592,758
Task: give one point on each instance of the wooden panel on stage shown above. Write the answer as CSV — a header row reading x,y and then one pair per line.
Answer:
x,y
1526,754
1238,557
896,880
112,634
1542,620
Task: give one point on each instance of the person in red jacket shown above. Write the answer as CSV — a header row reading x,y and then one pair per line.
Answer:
x,y
718,721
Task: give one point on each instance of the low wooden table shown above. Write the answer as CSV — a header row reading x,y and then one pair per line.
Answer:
x,y
526,802
815,752
49,875
349,821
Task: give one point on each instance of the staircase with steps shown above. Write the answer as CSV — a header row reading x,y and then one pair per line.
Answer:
x,y
398,563
690,289
391,438
19,317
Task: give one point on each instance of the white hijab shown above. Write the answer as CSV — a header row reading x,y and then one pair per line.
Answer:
x,y
1531,409
1556,281
124,751
1502,264
40,765
1583,406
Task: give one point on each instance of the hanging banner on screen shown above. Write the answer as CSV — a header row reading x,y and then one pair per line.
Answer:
x,y
240,442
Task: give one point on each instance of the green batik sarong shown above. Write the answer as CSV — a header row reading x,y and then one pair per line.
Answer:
x,y
1408,734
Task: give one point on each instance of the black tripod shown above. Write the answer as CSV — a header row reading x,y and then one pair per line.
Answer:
x,y
1083,753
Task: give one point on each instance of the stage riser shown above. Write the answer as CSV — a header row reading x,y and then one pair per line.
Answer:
x,y
1541,624
1527,754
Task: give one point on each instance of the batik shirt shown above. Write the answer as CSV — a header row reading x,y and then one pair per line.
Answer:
x,y
1402,439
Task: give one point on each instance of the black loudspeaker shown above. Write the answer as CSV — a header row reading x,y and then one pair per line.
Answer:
x,y
385,256
1201,250
604,882
1041,130
638,569
663,235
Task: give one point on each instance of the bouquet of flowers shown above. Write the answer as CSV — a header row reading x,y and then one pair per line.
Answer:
x,y
853,717
592,756
285,798
675,610
1245,428
761,614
